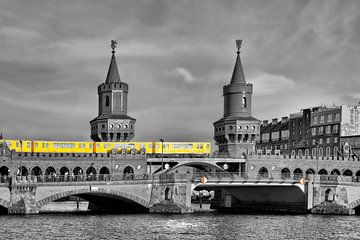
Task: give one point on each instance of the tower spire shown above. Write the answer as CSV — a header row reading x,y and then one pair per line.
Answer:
x,y
238,73
113,73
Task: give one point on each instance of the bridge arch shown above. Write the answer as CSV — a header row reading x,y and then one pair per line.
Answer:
x,y
347,172
36,171
4,205
335,172
195,165
98,193
357,173
263,172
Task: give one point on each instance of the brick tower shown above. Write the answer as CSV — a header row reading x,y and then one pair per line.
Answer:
x,y
112,123
236,133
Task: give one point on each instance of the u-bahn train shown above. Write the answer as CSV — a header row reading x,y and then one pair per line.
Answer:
x,y
150,148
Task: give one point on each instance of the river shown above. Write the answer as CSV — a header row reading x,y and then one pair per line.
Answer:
x,y
188,226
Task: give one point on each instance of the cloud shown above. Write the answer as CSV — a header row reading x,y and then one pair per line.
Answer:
x,y
268,84
185,74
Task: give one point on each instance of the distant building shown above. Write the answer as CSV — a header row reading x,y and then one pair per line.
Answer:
x,y
318,131
112,123
237,132
274,136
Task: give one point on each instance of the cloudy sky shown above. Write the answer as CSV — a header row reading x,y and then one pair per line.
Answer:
x,y
175,56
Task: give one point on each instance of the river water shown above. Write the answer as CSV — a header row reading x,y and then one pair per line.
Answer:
x,y
188,226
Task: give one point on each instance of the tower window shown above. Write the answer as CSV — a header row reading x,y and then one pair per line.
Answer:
x,y
107,101
244,102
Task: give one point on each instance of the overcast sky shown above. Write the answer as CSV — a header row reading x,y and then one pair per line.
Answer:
x,y
176,56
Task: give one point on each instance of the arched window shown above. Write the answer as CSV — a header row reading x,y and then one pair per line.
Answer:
x,y
306,152
285,173
323,172
335,151
298,173
313,152
300,153
107,101
347,172
327,152
321,152
263,173
244,102
335,172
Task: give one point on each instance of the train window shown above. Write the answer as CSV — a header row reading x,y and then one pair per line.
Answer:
x,y
47,145
108,146
90,145
104,146
28,144
97,145
43,145
36,145
150,145
17,144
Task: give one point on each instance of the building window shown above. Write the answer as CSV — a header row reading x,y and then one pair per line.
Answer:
x,y
327,152
313,131
328,129
335,140
336,129
335,151
329,118
321,130
107,101
337,117
285,146
328,140
321,151
244,102
313,152
306,152
300,153
322,119
314,141
315,119
320,141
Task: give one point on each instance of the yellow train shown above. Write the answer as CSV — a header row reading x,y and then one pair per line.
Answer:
x,y
150,148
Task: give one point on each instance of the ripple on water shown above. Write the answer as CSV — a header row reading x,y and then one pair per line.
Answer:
x,y
189,226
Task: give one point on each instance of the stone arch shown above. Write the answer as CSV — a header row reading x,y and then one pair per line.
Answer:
x,y
104,170
323,172
347,172
23,171
329,195
64,170
91,171
4,203
167,193
285,173
50,171
4,173
194,164
307,152
300,153
335,172
353,204
121,194
36,171
78,171
263,172
310,171
298,173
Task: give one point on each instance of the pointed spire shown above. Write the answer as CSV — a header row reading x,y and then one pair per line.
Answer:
x,y
238,74
113,73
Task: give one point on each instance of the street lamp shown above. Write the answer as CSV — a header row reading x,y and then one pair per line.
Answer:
x,y
20,159
317,157
162,153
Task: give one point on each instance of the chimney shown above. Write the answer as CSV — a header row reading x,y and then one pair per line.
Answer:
x,y
265,123
284,119
274,121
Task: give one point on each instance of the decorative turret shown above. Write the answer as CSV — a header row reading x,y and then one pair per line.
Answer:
x,y
236,133
112,123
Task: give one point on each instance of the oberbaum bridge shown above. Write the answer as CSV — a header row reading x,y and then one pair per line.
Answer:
x,y
243,179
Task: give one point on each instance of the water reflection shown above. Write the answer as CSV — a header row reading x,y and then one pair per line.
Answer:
x,y
192,226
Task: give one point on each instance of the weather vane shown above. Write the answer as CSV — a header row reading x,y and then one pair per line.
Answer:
x,y
113,45
238,45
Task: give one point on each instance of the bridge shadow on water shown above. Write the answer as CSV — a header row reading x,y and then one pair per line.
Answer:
x,y
98,203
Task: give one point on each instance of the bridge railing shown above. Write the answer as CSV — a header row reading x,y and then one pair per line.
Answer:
x,y
101,177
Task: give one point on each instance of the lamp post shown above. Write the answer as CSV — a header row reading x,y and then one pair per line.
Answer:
x,y
162,154
317,157
20,159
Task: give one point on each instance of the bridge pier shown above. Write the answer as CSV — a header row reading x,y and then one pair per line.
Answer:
x,y
22,199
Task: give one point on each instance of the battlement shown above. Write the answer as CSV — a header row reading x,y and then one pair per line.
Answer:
x,y
269,156
104,87
238,88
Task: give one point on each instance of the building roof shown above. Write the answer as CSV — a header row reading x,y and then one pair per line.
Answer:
x,y
238,73
113,116
235,118
113,73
